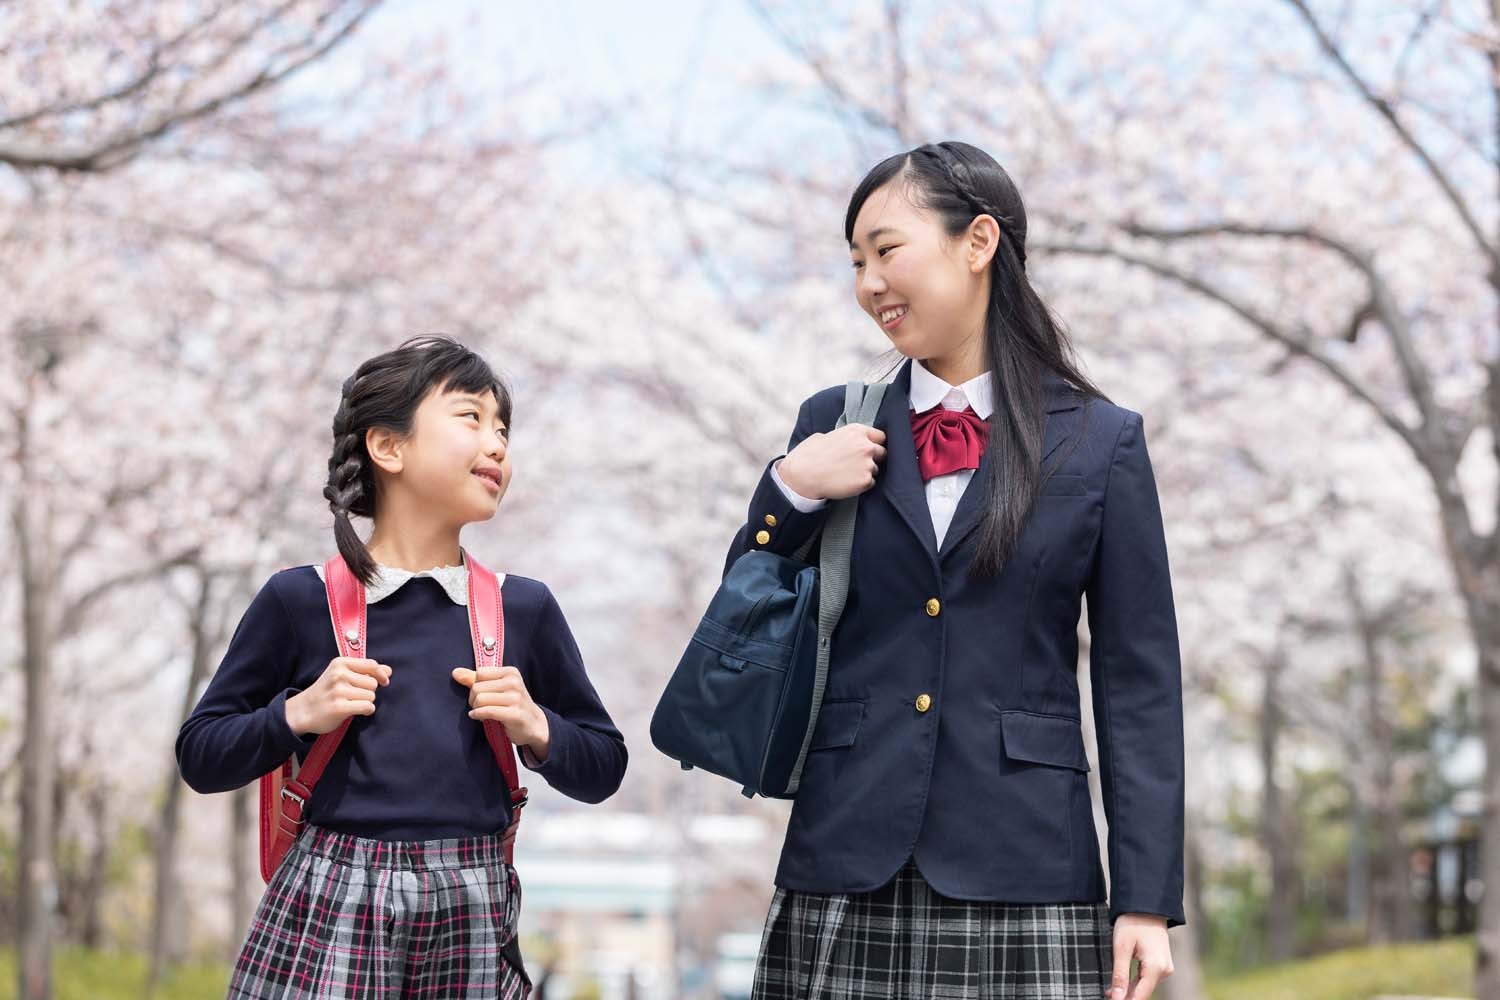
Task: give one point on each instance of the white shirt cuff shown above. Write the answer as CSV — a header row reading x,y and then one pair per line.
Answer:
x,y
797,500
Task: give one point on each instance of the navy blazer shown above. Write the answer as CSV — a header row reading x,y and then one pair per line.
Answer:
x,y
950,730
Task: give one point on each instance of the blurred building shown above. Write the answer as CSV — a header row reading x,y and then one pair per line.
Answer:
x,y
604,897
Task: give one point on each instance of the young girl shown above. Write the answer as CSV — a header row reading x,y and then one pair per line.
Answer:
x,y
398,885
942,842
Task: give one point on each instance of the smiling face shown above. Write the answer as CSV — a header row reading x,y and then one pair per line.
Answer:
x,y
928,291
455,463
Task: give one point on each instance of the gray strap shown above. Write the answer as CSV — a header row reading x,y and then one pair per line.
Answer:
x,y
861,403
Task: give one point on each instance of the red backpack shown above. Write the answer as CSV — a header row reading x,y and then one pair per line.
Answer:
x,y
285,792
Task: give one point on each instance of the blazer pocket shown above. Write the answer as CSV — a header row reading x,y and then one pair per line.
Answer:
x,y
838,724
1044,739
1064,486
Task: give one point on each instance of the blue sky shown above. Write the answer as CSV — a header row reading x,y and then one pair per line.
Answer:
x,y
666,59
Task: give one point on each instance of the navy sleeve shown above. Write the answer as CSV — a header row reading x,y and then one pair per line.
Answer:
x,y
1136,674
239,732
772,517
586,756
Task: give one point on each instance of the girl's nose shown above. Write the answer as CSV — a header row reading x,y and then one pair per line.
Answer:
x,y
870,282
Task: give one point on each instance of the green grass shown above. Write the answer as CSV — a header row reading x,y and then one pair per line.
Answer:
x,y
1441,968
78,974
1427,968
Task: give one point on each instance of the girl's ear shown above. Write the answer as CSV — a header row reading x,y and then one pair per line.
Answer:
x,y
982,239
384,446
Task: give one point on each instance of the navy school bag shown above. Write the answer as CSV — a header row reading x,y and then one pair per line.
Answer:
x,y
744,699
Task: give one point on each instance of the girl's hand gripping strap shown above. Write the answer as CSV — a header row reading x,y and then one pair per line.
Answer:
x,y
487,625
346,609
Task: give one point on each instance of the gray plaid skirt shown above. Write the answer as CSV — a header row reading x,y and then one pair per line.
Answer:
x,y
347,917
905,940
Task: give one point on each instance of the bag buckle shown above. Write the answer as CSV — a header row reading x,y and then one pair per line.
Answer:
x,y
288,794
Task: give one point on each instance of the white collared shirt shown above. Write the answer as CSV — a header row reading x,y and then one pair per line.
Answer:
x,y
389,579
455,583
943,492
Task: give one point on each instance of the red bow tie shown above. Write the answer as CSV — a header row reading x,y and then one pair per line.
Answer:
x,y
948,440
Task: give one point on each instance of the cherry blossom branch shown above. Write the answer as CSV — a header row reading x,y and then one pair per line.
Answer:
x,y
1299,343
1386,110
818,63
123,146
1382,303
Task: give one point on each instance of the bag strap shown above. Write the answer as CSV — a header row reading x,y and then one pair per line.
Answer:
x,y
487,628
861,404
346,609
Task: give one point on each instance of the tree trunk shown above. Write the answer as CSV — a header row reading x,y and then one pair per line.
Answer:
x,y
1487,938
242,874
1477,569
35,873
1186,981
1281,907
1387,900
166,944
91,930
1357,862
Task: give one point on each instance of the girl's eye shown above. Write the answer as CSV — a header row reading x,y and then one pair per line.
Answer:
x,y
882,250
857,264
470,413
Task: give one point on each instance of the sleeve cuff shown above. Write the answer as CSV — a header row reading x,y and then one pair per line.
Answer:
x,y
797,500
557,738
282,737
1174,916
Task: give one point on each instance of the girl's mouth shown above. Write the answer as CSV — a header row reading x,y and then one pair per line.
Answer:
x,y
891,318
490,479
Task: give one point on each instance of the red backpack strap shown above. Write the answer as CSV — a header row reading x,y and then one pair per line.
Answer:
x,y
487,625
346,608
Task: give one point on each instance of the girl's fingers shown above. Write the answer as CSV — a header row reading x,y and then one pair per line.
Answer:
x,y
358,707
362,681
503,714
352,693
493,699
1146,984
1124,947
484,675
372,668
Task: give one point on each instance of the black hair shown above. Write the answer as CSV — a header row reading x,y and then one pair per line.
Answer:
x,y
1022,339
385,392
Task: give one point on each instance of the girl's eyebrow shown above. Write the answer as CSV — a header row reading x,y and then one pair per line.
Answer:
x,y
874,234
473,400
468,398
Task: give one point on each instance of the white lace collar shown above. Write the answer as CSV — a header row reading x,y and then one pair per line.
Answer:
x,y
389,579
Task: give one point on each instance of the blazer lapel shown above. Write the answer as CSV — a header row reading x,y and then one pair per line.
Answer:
x,y
900,480
1060,397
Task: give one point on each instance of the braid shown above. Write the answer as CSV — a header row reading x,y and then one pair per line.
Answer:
x,y
978,202
345,491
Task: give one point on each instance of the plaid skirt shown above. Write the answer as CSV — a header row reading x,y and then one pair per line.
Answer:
x,y
905,940
347,917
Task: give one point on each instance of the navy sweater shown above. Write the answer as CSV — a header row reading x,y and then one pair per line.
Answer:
x,y
419,768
